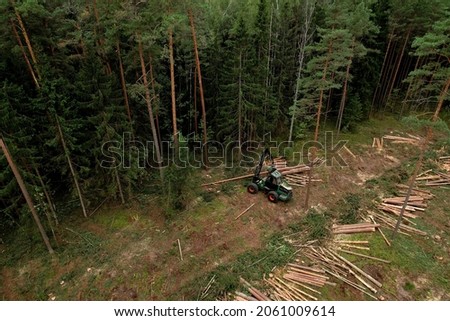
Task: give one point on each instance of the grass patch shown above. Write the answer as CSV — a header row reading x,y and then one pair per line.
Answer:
x,y
251,265
349,208
113,219
388,181
316,224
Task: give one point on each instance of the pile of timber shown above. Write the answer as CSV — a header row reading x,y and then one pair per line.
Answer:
x,y
393,205
405,227
354,228
280,162
342,269
297,283
403,189
306,275
285,171
299,180
413,140
434,178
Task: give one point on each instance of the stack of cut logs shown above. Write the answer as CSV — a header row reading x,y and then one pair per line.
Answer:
x,y
342,269
280,162
388,221
413,140
304,274
354,228
434,178
393,205
403,189
299,282
299,180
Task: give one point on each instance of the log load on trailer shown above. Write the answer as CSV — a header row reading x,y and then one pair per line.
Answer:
x,y
273,184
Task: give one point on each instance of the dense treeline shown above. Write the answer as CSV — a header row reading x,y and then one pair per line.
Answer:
x,y
77,74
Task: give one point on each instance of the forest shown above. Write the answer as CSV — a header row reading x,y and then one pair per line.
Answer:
x,y
84,80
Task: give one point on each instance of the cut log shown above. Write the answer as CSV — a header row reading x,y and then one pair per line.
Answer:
x,y
352,242
365,256
245,211
381,232
244,296
368,276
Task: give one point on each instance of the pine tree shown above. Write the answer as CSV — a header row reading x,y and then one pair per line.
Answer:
x,y
434,47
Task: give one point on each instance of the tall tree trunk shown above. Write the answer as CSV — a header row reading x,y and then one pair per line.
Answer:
x,y
330,95
344,92
316,132
124,85
377,88
267,81
150,110
397,67
101,42
388,75
72,170
172,90
25,57
200,87
436,67
152,81
301,56
26,195
195,104
27,39
441,100
405,70
408,91
240,111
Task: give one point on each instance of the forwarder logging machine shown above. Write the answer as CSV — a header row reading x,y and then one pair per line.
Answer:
x,y
273,184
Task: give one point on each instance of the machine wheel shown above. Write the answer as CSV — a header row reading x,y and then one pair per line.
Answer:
x,y
252,188
273,196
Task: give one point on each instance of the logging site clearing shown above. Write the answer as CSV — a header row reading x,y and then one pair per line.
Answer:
x,y
231,245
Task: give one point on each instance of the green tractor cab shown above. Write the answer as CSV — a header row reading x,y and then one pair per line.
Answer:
x,y
273,185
